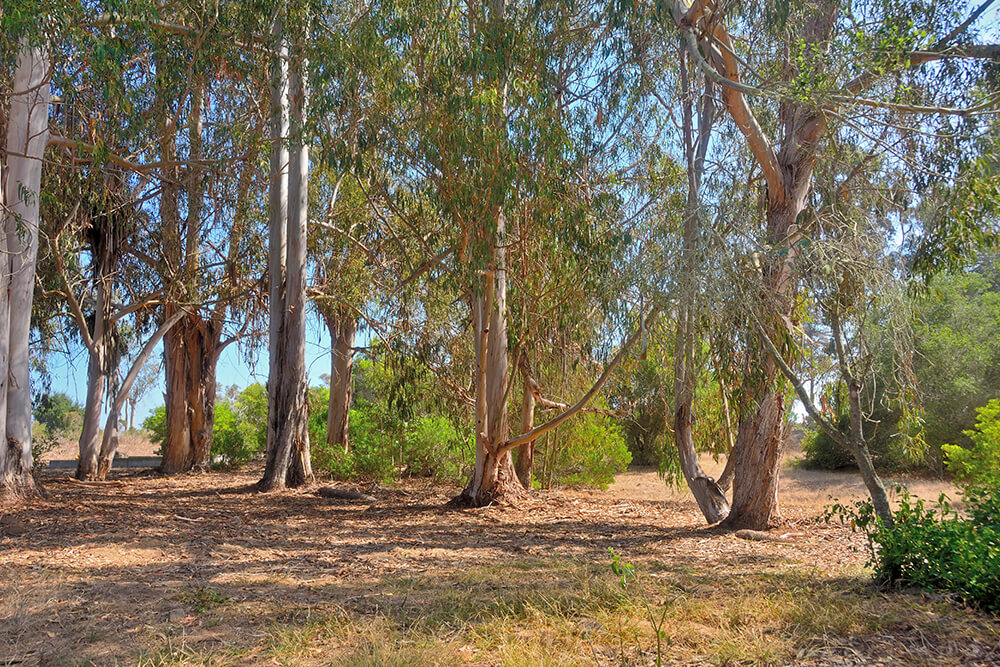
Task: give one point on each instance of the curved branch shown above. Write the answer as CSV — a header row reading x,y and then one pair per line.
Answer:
x,y
538,431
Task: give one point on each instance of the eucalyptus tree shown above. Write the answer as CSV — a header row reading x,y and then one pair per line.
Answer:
x,y
288,459
822,67
26,135
210,117
516,125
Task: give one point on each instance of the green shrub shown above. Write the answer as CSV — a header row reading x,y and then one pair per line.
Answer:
x,y
588,451
371,449
57,412
882,435
156,425
978,466
936,548
433,447
232,441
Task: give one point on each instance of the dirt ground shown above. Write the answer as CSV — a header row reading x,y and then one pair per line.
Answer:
x,y
107,574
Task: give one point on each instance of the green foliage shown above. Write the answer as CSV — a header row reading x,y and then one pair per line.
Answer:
x,y
881,436
979,466
370,455
433,447
957,360
936,548
43,441
588,451
156,425
229,441
57,412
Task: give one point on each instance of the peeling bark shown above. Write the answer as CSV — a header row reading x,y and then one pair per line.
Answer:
x,y
190,355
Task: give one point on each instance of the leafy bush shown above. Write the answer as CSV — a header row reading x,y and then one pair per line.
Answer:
x,y
371,449
433,447
883,438
156,425
978,466
56,412
233,440
936,548
588,451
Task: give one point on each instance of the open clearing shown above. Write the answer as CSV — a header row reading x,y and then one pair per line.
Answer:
x,y
196,570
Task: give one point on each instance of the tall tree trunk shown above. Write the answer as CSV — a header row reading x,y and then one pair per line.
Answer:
x,y
710,497
288,459
342,328
86,465
762,428
493,478
27,136
190,355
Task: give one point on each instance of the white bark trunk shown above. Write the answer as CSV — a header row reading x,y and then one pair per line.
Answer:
x,y
288,458
27,136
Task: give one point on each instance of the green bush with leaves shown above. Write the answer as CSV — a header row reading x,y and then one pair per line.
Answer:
x,y
885,442
57,412
233,443
156,425
978,466
588,451
370,455
936,548
433,447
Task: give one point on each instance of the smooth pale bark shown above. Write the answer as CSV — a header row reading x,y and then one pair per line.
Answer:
x,y
288,458
86,464
342,329
27,136
493,478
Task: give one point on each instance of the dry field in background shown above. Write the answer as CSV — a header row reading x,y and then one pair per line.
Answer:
x,y
195,570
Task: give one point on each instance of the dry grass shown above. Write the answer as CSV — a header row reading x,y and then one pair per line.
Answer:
x,y
196,571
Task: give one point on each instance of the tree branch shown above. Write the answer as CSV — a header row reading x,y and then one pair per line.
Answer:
x,y
538,431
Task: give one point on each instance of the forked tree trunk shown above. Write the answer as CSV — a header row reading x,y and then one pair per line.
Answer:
x,y
21,177
109,443
288,458
493,478
190,356
342,329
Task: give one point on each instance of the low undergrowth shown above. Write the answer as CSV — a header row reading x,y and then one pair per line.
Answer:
x,y
556,612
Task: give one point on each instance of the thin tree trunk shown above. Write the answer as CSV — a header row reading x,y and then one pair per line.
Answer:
x,y
524,462
711,499
27,136
86,465
109,443
342,329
